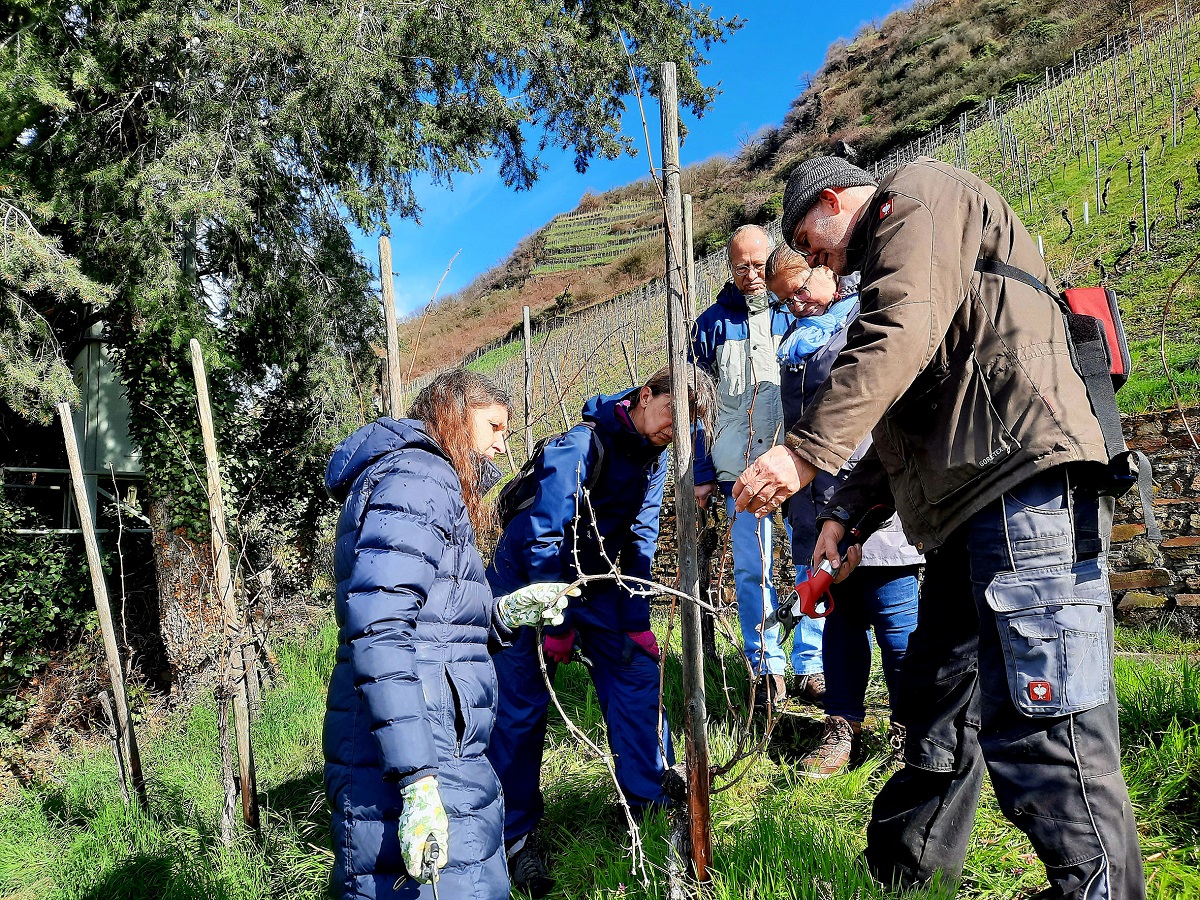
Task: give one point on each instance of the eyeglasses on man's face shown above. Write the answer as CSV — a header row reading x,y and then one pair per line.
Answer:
x,y
741,271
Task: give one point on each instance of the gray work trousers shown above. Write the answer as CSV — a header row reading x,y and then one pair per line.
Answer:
x,y
1016,677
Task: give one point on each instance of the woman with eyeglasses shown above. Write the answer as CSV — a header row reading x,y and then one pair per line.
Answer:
x,y
880,594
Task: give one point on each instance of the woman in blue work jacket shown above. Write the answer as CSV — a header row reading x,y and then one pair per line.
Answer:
x,y
567,532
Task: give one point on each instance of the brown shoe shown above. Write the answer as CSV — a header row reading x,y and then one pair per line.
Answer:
x,y
770,693
833,753
810,689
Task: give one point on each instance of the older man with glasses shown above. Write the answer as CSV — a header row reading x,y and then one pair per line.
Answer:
x,y
735,339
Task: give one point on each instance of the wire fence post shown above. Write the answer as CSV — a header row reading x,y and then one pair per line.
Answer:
x,y
695,711
528,337
395,406
708,639
242,661
130,768
562,406
1145,206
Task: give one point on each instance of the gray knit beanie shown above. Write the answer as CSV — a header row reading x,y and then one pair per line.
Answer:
x,y
810,178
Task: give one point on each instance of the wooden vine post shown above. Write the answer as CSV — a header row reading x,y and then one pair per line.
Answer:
x,y
395,387
527,333
708,625
129,759
241,655
695,710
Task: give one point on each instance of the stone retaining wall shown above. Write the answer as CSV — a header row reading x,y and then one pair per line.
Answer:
x,y
1161,585
1151,585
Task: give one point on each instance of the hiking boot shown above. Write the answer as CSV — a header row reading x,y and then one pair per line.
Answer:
x,y
810,689
526,869
833,753
770,693
896,734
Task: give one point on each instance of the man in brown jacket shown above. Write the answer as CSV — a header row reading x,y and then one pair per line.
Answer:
x,y
986,445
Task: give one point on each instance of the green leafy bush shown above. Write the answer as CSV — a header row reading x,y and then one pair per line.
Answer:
x,y
44,601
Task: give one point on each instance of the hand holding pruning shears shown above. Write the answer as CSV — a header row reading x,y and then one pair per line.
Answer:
x,y
834,558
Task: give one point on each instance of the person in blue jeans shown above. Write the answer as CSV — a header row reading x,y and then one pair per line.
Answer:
x,y
563,535
882,593
735,340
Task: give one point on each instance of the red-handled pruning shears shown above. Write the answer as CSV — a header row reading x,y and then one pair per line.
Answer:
x,y
812,596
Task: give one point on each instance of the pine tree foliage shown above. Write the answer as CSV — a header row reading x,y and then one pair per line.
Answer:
x,y
201,164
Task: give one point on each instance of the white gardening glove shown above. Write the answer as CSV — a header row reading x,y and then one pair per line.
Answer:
x,y
541,603
423,818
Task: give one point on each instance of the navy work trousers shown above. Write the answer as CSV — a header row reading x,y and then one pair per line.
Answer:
x,y
1010,666
626,681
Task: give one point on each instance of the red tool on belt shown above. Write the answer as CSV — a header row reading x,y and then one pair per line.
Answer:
x,y
812,597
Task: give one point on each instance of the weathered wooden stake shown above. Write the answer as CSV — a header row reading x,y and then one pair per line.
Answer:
x,y
526,331
1174,115
1096,152
695,711
633,373
395,392
1028,182
128,741
689,264
1145,206
113,733
708,641
562,407
240,651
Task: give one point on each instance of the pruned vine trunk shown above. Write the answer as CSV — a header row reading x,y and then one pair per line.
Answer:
x,y
190,623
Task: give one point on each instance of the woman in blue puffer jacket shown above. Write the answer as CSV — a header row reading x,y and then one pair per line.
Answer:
x,y
412,697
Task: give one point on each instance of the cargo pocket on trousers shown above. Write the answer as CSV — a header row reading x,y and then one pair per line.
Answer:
x,y
1053,623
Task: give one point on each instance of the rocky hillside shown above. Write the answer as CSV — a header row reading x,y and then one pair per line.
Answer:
x,y
893,81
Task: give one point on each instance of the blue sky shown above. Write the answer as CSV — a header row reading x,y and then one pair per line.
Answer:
x,y
759,75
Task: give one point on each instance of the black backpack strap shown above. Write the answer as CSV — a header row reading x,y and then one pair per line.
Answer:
x,y
1089,352
988,266
594,476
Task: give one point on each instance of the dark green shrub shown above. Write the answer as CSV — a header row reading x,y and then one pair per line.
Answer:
x,y
45,601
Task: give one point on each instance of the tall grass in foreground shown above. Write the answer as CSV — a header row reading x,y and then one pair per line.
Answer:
x,y
777,834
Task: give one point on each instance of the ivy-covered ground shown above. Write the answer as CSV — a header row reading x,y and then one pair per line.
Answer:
x,y
777,834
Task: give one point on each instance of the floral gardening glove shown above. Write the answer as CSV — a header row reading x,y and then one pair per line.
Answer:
x,y
558,646
647,641
423,818
541,603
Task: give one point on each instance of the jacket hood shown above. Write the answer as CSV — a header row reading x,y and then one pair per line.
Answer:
x,y
602,409
370,443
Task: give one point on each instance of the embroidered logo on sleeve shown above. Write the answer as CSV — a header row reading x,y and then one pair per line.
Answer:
x,y
885,210
1039,691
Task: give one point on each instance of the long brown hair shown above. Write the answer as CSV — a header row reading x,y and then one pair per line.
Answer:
x,y
445,406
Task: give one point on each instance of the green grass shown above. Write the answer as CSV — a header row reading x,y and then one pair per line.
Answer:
x,y
776,834
72,837
494,358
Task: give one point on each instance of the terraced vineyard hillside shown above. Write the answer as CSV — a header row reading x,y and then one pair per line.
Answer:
x,y
1078,138
581,240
